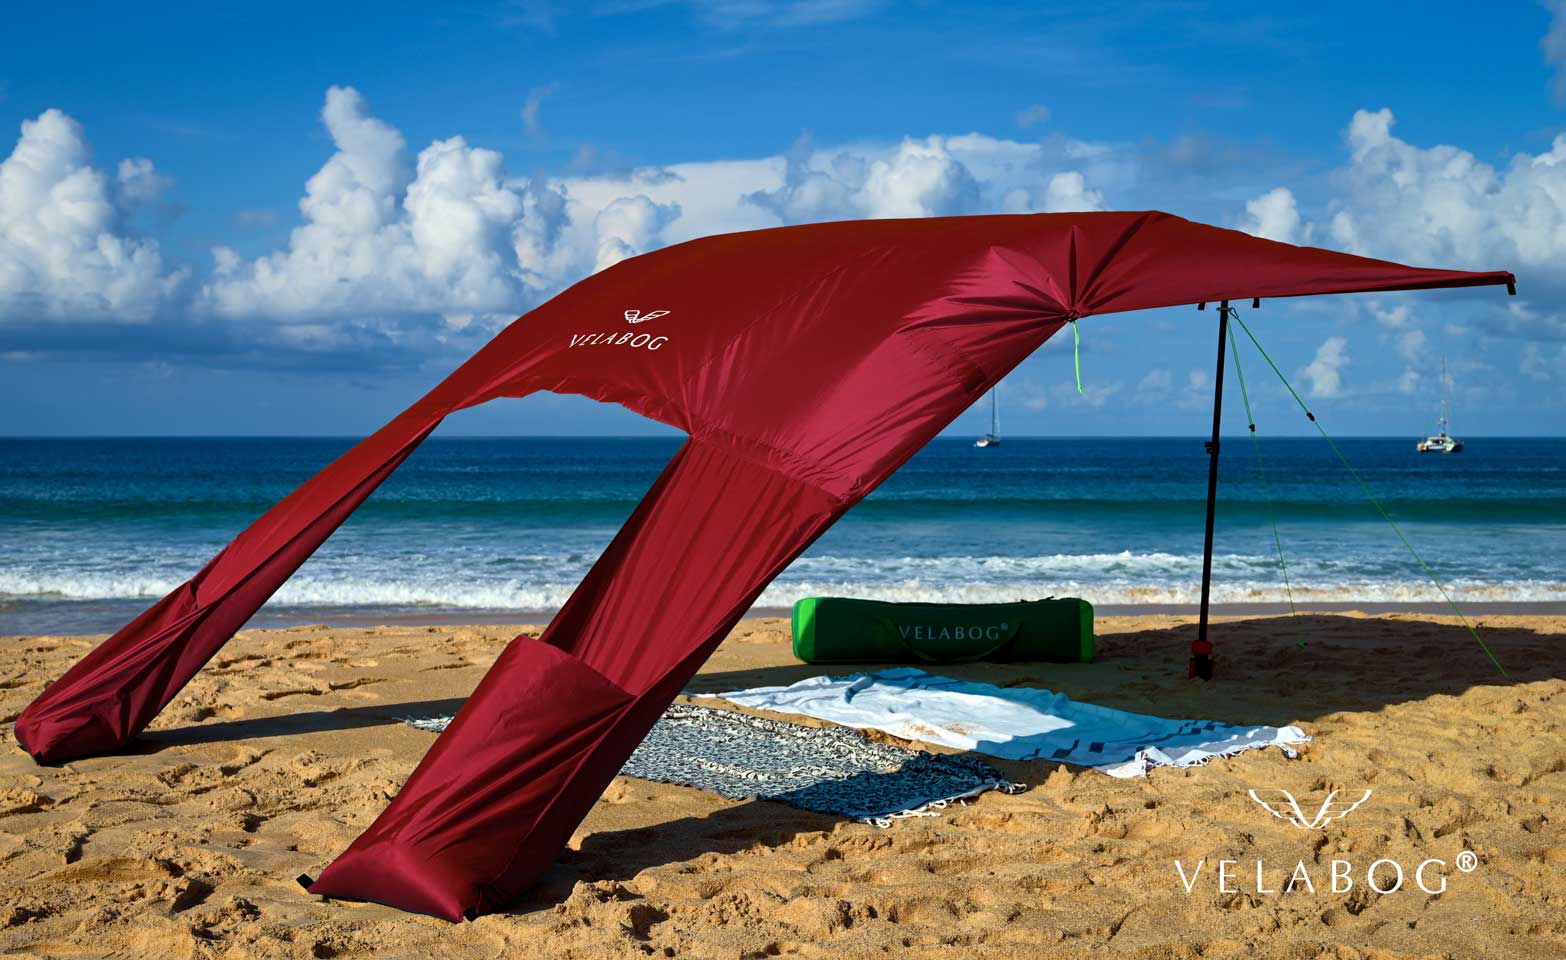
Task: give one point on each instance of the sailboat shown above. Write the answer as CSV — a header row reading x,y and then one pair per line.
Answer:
x,y
991,439
1441,442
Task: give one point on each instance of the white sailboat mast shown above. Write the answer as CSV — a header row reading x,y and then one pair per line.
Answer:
x,y
1443,393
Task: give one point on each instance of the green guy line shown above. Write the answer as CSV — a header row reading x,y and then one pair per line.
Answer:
x,y
1371,496
1261,471
1076,353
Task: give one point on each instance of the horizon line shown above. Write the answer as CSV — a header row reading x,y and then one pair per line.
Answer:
x,y
678,434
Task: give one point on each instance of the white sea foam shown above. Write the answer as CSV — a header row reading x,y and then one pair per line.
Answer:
x,y
83,585
783,594
302,591
1108,578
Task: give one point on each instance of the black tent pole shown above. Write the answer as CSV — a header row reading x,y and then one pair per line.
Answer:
x,y
1202,649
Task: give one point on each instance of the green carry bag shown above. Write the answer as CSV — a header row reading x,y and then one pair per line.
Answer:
x,y
842,630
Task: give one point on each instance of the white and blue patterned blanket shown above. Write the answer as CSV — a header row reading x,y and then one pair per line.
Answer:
x,y
1014,723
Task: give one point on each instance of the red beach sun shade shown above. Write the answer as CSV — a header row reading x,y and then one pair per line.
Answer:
x,y
806,364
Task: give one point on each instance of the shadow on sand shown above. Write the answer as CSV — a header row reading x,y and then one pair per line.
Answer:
x,y
1270,670
293,724
1265,676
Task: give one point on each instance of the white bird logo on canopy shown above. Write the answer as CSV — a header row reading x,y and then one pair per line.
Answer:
x,y
636,316
1331,808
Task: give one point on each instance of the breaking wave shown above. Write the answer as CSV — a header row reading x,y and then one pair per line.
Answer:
x,y
1123,578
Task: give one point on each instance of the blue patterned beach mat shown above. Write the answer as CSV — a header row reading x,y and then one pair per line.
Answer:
x,y
829,770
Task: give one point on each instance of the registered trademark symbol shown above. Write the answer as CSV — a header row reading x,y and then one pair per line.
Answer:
x,y
1467,861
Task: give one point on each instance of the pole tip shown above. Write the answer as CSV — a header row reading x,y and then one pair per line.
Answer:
x,y
1511,288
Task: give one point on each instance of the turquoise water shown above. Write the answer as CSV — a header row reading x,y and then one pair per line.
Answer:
x,y
93,530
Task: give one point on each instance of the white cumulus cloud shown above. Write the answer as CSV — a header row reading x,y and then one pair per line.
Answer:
x,y
1398,317
920,179
1325,372
1275,216
139,182
66,251
393,243
1068,192
385,242
1442,205
629,226
384,238
937,176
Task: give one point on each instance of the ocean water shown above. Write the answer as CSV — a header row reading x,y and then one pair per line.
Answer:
x,y
94,530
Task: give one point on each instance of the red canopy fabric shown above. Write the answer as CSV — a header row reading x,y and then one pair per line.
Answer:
x,y
806,364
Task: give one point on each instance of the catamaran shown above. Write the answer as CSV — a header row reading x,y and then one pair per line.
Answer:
x,y
991,439
1441,442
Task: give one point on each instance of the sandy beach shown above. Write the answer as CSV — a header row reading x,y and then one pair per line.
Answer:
x,y
289,743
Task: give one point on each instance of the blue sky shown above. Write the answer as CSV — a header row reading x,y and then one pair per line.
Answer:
x,y
295,219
